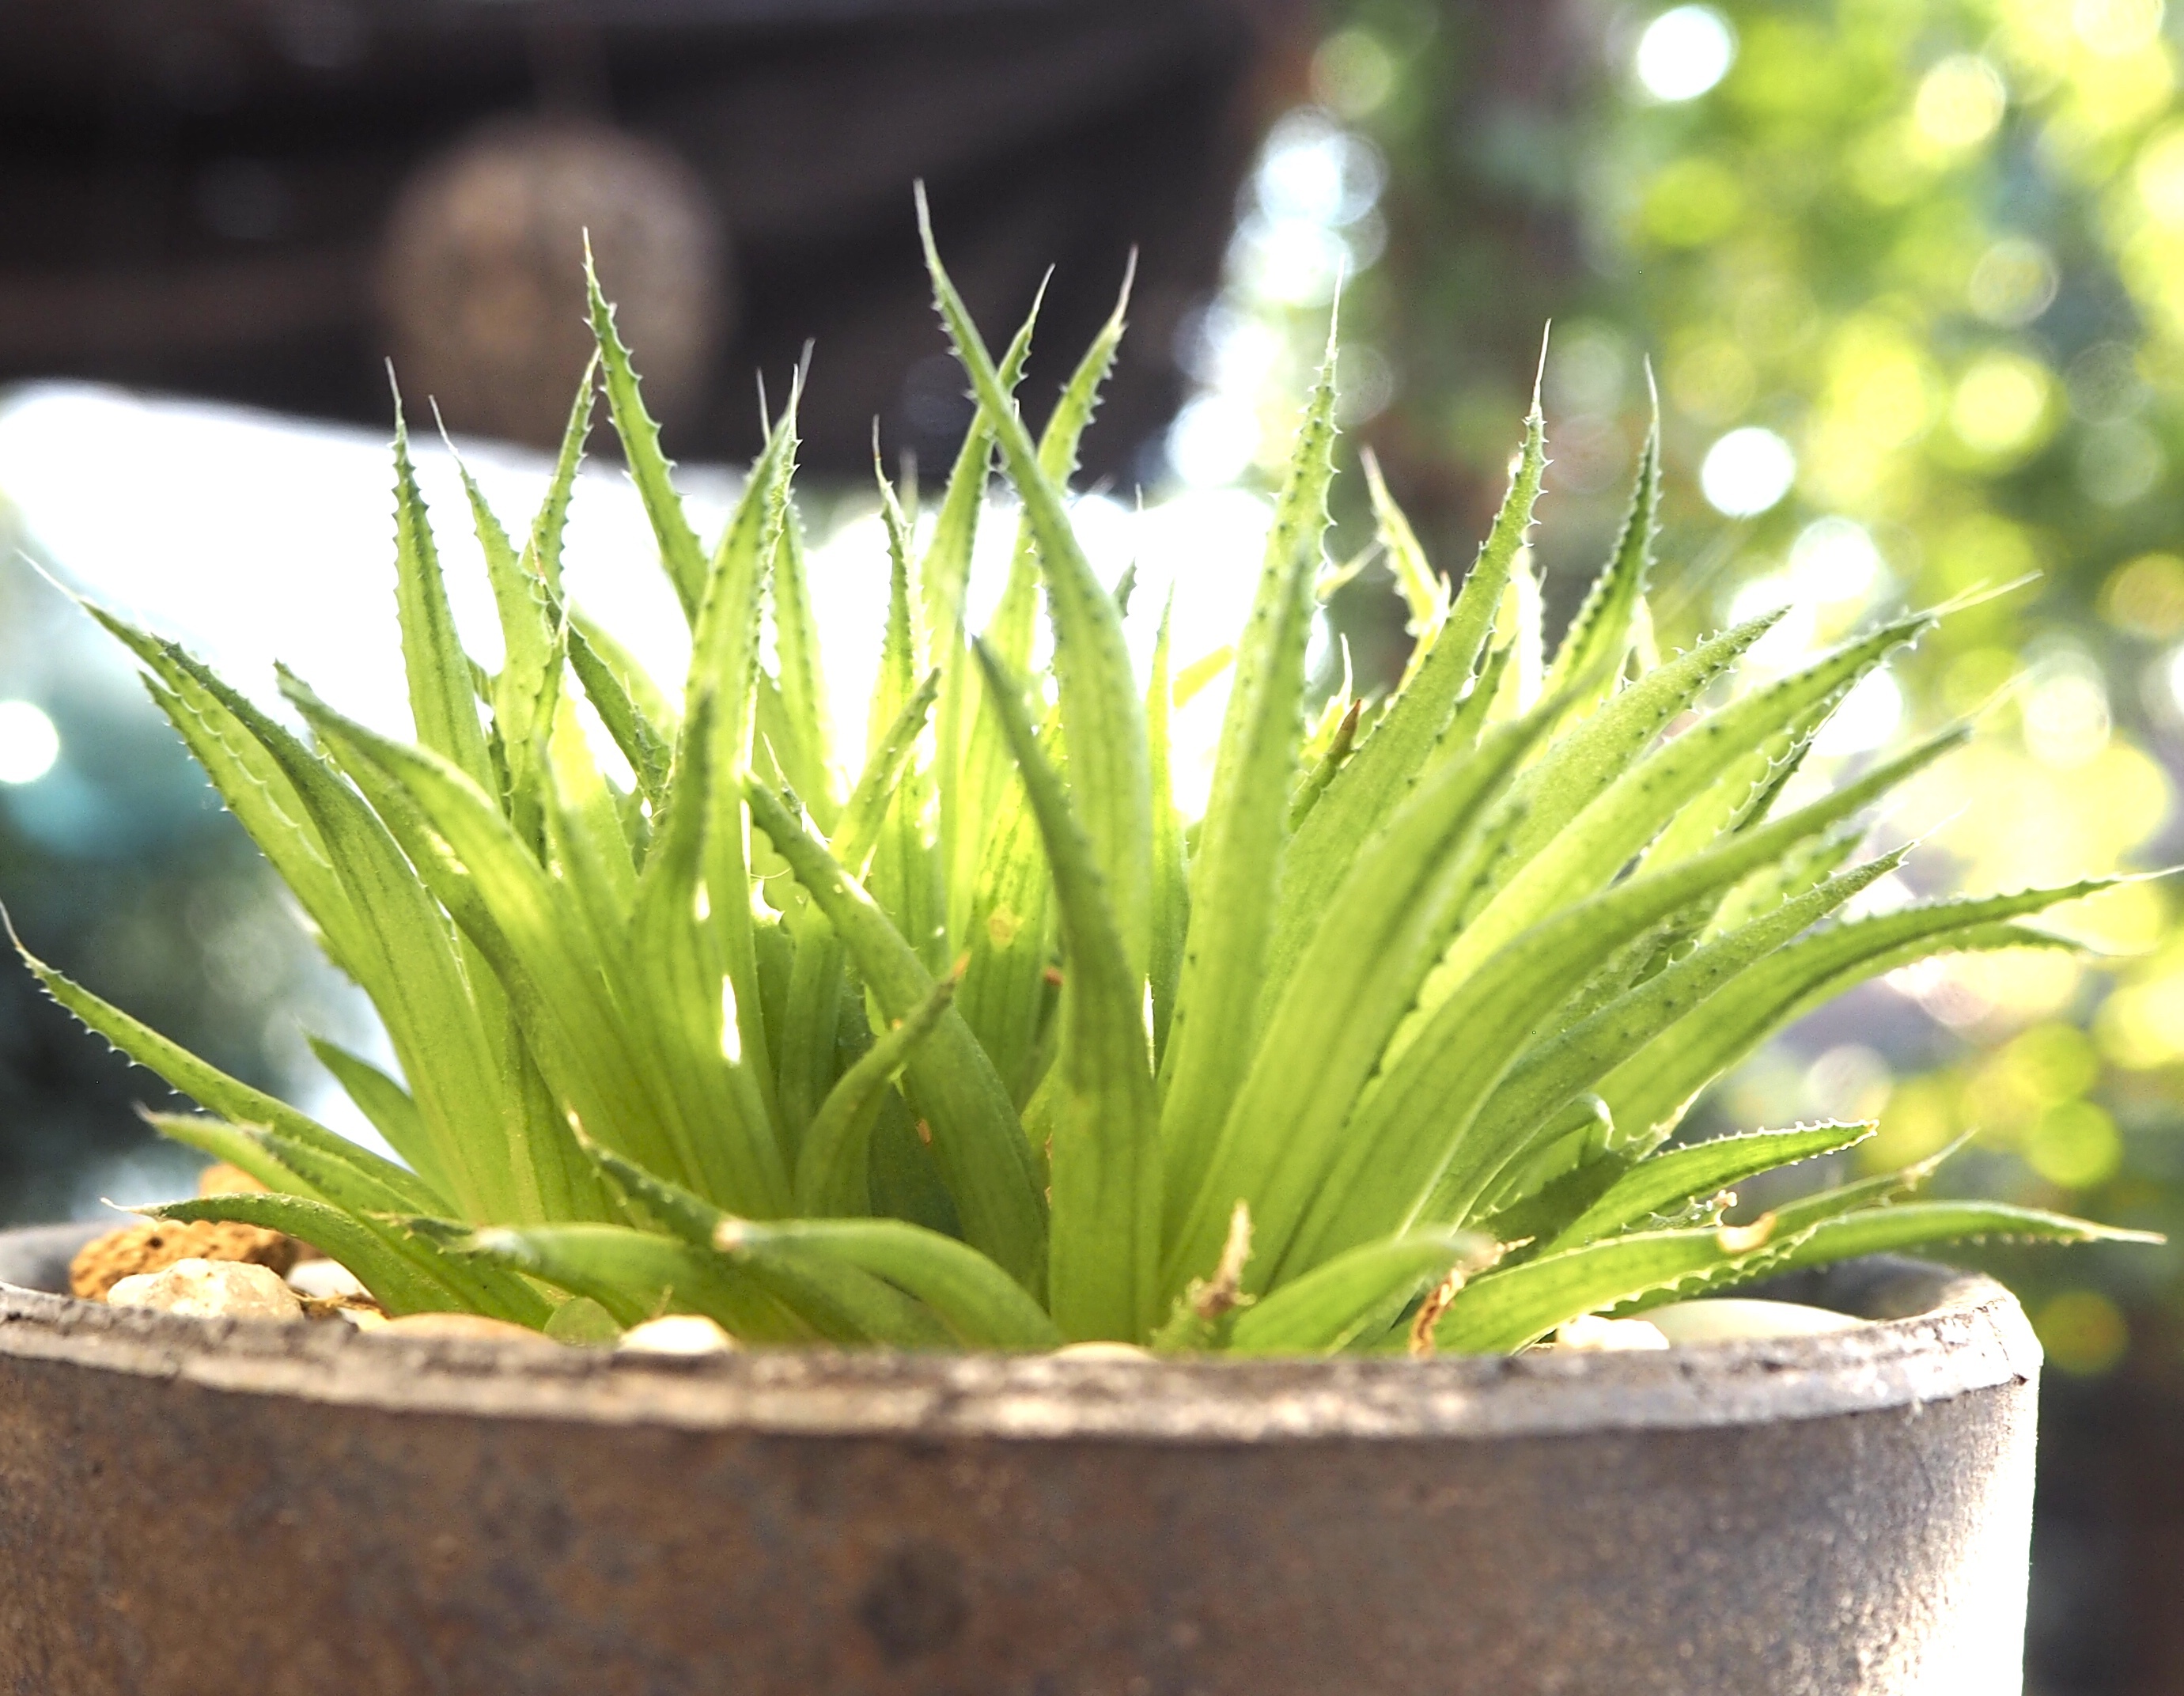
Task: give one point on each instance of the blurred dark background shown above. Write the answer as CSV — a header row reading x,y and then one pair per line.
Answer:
x,y
1907,276
259,199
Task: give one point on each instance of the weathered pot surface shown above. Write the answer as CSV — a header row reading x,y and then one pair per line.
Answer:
x,y
192,1506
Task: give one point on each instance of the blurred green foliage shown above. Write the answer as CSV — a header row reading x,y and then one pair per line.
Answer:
x,y
1927,255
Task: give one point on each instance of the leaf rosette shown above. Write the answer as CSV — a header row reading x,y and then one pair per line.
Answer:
x,y
986,1045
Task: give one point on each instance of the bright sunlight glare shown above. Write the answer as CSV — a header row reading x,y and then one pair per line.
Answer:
x,y
205,548
1866,718
1684,53
1212,440
1792,638
1747,472
1835,560
29,744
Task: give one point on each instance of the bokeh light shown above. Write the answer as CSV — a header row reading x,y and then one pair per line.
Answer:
x,y
1748,471
1212,440
1869,718
29,744
2082,1331
1836,560
2001,404
1684,53
1960,101
2014,282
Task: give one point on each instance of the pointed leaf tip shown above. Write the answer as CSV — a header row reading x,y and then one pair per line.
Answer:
x,y
1122,295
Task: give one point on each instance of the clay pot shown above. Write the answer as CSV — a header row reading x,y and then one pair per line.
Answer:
x,y
190,1506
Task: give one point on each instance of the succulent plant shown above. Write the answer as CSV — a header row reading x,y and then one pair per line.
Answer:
x,y
992,1047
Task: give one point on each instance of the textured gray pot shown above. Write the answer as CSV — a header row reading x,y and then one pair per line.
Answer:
x,y
189,1507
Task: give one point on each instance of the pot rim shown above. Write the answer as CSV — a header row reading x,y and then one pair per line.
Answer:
x,y
1938,1334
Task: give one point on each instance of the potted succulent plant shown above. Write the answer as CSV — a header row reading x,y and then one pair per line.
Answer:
x,y
1305,1115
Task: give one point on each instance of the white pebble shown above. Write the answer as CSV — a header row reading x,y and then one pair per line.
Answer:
x,y
675,1334
1609,1337
1725,1318
1102,1351
210,1289
324,1279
